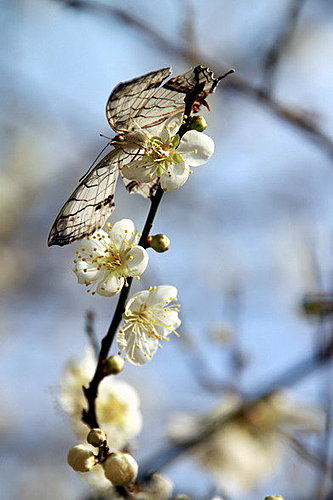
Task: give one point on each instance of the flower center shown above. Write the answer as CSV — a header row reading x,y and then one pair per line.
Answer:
x,y
112,410
144,321
161,154
112,260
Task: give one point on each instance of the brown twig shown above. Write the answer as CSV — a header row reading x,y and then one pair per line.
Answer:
x,y
277,49
89,415
287,378
299,119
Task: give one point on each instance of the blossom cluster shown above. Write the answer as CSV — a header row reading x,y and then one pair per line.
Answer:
x,y
107,261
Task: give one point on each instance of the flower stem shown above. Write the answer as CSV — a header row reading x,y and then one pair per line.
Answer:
x,y
89,415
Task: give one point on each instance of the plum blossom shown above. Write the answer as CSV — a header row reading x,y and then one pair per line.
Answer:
x,y
107,259
148,319
168,157
117,405
240,455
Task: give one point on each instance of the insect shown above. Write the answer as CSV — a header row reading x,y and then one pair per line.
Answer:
x,y
132,107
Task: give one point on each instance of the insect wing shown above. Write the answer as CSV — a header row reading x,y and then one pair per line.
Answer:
x,y
129,98
90,204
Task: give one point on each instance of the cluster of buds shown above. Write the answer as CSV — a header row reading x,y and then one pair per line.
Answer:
x,y
119,468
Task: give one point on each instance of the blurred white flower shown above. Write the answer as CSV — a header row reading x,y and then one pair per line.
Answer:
x,y
148,319
117,405
168,158
250,447
160,486
106,259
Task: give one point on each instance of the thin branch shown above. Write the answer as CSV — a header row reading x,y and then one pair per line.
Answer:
x,y
89,415
311,456
90,331
300,119
277,49
289,377
90,392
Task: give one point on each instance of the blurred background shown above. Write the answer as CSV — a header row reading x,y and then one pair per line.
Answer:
x,y
251,232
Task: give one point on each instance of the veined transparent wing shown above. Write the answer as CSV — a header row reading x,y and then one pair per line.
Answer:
x,y
143,102
92,202
126,103
167,100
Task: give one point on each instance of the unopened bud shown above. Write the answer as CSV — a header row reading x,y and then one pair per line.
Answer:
x,y
159,242
113,365
96,437
274,497
121,469
198,123
81,459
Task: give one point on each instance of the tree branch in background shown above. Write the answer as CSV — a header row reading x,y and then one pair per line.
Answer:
x,y
301,120
277,49
287,378
90,331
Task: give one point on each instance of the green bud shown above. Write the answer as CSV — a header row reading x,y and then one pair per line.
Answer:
x,y
198,123
159,242
113,365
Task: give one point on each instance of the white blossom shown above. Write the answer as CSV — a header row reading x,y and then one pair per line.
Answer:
x,y
148,319
106,259
117,405
241,454
168,158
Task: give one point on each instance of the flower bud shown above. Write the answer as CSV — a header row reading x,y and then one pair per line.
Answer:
x,y
274,497
113,365
96,437
81,459
198,123
121,469
159,242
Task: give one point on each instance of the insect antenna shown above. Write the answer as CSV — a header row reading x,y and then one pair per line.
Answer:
x,y
95,160
226,74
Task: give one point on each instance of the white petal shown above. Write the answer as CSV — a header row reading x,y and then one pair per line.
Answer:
x,y
172,321
134,303
161,295
111,285
123,230
87,272
139,262
139,350
96,243
196,148
138,170
176,176
168,129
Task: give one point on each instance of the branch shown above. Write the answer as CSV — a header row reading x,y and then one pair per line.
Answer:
x,y
276,50
299,119
89,416
289,377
